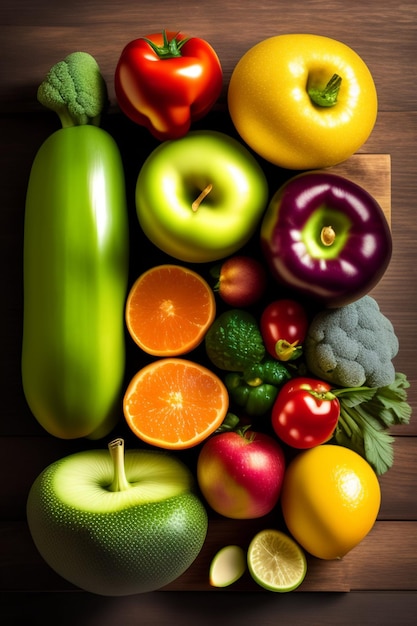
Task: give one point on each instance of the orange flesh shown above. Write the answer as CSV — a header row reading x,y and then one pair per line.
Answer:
x,y
169,309
175,403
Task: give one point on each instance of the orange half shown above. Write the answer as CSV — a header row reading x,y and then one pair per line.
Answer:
x,y
175,403
169,310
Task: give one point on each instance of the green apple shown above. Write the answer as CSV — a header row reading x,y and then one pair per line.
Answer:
x,y
201,197
117,524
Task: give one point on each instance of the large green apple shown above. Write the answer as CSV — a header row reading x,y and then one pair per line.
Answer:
x,y
201,197
117,524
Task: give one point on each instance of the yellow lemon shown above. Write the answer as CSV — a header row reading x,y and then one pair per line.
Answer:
x,y
330,500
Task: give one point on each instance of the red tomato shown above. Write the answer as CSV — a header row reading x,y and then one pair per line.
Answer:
x,y
166,81
284,325
305,413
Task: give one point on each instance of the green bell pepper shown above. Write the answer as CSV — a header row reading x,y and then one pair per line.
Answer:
x,y
269,371
255,400
257,388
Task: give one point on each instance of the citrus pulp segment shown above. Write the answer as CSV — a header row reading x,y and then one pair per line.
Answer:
x,y
169,309
175,403
276,561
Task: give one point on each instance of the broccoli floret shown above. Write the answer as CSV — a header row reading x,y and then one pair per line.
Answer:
x,y
75,89
352,345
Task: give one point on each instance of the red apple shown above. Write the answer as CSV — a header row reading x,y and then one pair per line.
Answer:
x,y
241,281
240,473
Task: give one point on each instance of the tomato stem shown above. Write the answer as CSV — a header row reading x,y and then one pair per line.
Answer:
x,y
195,205
326,97
120,482
320,395
287,351
170,49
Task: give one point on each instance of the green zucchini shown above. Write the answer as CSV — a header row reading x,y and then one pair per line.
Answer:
x,y
75,273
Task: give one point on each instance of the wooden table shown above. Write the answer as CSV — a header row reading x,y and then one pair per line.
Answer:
x,y
377,582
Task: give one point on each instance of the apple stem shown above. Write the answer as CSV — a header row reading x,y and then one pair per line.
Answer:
x,y
246,433
201,197
327,235
326,97
120,482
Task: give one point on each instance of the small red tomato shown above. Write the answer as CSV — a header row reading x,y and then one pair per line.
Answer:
x,y
241,281
305,413
284,325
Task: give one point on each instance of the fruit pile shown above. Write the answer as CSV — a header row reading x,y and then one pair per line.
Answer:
x,y
268,358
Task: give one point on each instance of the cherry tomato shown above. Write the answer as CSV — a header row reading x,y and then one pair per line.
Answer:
x,y
284,325
305,413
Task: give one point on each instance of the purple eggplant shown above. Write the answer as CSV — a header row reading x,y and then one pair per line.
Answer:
x,y
326,237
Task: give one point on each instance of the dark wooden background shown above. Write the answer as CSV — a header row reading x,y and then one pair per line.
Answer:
x,y
377,582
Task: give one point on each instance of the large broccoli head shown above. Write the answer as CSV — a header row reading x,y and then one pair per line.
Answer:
x,y
352,345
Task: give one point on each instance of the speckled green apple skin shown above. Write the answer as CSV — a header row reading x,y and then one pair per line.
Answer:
x,y
138,547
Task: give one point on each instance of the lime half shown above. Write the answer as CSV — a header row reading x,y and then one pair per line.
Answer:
x,y
276,561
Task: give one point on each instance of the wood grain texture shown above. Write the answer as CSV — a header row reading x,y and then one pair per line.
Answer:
x,y
33,35
373,172
376,583
369,566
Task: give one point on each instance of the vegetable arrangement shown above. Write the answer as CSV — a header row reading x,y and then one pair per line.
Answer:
x,y
338,402
305,353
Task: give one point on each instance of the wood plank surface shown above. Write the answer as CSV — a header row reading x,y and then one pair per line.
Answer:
x,y
376,583
367,567
373,172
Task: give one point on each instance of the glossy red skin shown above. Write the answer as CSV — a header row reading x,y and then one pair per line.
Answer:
x,y
299,419
167,95
239,478
284,319
242,281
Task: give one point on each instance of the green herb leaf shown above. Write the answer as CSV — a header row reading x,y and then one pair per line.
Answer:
x,y
353,396
379,449
366,414
391,402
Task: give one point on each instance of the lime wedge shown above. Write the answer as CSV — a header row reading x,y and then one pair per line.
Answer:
x,y
276,561
227,566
